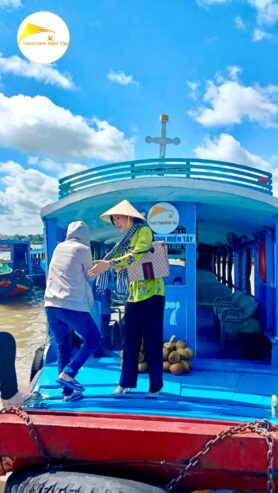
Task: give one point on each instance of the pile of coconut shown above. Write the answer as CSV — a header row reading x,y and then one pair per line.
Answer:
x,y
177,357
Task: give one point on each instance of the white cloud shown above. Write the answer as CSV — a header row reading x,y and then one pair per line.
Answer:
x,y
193,86
57,168
43,73
35,125
10,4
210,2
230,102
267,11
23,193
239,23
121,78
259,35
226,148
234,70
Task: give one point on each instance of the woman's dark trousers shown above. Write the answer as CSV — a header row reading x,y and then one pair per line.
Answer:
x,y
8,380
144,319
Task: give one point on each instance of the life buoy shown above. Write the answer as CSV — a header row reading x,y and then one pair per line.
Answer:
x,y
29,481
262,260
37,362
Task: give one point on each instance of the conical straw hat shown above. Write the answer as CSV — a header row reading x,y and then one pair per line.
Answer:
x,y
123,208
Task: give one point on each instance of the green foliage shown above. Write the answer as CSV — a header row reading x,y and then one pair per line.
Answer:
x,y
36,238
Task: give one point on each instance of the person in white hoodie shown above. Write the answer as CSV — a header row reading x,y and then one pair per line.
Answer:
x,y
68,306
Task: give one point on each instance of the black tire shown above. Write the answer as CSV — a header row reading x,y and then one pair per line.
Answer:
x,y
65,481
37,362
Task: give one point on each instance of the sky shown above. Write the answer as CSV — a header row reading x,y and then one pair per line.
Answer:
x,y
211,65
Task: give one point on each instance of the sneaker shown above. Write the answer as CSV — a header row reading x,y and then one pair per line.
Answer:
x,y
76,395
67,381
17,400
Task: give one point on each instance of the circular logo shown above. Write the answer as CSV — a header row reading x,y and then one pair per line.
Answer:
x,y
163,218
43,37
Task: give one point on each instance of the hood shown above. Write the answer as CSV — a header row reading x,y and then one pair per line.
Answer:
x,y
78,231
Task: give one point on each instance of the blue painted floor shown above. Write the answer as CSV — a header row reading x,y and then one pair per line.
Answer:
x,y
212,390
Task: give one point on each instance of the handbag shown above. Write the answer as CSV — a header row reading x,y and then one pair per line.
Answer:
x,y
153,264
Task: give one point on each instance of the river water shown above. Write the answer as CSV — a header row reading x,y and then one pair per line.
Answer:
x,y
24,318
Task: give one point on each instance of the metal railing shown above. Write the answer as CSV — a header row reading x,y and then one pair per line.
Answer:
x,y
198,169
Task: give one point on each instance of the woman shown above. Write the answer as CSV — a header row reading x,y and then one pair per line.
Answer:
x,y
11,396
145,303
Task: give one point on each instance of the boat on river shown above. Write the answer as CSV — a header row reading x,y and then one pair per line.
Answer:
x,y
15,268
214,426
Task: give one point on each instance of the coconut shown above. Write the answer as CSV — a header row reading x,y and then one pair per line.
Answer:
x,y
182,353
142,367
141,357
166,365
170,344
189,353
180,344
176,369
186,366
166,353
174,357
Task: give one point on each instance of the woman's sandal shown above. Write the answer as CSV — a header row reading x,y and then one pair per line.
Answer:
x,y
121,390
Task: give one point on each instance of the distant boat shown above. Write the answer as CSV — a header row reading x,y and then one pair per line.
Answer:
x,y
15,268
38,264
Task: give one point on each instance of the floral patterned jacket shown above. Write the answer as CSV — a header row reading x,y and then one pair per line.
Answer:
x,y
138,290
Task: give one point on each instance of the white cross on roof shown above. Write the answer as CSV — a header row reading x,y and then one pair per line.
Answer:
x,y
162,140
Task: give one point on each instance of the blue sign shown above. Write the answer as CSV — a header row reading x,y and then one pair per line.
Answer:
x,y
179,239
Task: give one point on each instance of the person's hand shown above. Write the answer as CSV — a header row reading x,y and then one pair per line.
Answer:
x,y
98,268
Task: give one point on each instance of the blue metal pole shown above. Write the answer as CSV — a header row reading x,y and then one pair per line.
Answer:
x,y
236,270
50,232
274,359
243,270
191,279
270,276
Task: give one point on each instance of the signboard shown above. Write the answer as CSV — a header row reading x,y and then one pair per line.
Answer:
x,y
176,239
163,218
5,256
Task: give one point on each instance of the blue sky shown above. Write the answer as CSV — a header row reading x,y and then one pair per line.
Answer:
x,y
211,65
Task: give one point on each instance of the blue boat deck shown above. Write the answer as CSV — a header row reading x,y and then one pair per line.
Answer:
x,y
212,390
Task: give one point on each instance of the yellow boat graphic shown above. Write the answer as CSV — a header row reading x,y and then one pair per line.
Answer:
x,y
159,210
31,29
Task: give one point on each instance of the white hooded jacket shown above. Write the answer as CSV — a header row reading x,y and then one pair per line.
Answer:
x,y
67,283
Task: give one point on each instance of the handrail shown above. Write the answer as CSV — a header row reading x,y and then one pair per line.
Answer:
x,y
199,169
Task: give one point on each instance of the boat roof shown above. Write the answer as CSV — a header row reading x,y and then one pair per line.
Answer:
x,y
14,242
221,207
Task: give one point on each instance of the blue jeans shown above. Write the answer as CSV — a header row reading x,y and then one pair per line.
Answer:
x,y
61,323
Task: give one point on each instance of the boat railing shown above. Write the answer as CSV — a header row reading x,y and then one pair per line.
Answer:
x,y
198,169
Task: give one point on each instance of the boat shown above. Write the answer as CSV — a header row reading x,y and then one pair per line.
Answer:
x,y
38,260
214,426
15,268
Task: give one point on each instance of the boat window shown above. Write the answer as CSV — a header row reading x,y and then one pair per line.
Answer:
x,y
5,255
20,257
